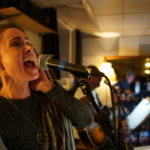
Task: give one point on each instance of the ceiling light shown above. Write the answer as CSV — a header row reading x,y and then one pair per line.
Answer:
x,y
107,34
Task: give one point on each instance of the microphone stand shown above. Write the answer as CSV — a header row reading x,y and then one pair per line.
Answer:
x,y
103,116
120,106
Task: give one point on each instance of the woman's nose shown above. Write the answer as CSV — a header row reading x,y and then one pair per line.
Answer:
x,y
28,48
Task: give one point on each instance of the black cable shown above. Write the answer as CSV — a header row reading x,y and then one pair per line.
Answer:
x,y
113,111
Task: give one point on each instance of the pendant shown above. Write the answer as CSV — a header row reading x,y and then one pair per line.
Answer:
x,y
40,137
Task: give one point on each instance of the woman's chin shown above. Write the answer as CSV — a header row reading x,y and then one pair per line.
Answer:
x,y
36,76
33,76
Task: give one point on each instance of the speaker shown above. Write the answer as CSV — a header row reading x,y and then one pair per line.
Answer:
x,y
3,3
46,17
22,5
35,12
49,18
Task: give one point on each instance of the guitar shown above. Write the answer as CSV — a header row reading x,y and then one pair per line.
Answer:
x,y
92,136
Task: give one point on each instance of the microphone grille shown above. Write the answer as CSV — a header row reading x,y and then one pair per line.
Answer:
x,y
42,60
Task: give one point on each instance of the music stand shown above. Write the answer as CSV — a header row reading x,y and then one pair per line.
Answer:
x,y
138,116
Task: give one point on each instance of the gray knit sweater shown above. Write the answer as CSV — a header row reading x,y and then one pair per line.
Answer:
x,y
17,133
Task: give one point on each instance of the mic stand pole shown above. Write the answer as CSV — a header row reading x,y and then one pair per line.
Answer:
x,y
103,116
120,106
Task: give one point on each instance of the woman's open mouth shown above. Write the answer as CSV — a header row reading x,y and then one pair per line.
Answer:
x,y
29,62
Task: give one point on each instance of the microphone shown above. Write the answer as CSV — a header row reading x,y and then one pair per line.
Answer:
x,y
45,62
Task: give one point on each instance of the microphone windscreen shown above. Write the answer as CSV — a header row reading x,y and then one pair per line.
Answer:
x,y
42,60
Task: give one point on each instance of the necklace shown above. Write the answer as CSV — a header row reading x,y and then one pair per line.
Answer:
x,y
39,135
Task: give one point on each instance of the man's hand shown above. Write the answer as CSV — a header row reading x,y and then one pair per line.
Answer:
x,y
42,84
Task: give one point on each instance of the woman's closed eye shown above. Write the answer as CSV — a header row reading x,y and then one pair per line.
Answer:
x,y
19,43
28,43
16,44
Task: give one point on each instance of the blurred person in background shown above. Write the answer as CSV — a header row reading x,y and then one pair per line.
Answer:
x,y
126,88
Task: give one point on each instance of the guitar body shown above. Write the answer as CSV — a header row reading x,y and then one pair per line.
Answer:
x,y
92,136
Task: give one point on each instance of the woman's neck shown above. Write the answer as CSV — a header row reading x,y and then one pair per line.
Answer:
x,y
16,91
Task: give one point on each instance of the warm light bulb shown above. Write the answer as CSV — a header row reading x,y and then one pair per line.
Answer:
x,y
147,65
147,71
107,69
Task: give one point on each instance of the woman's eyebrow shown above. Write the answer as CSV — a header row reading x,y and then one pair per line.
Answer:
x,y
18,37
